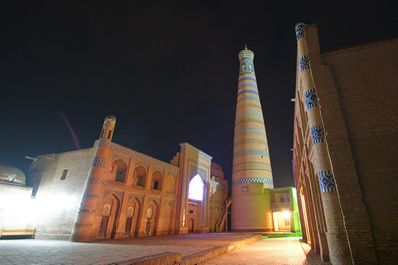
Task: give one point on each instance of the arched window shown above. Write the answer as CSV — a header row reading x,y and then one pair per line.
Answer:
x,y
140,176
120,170
196,188
157,181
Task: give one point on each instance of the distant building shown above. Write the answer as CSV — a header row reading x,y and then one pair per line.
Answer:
x,y
110,191
345,149
15,203
284,208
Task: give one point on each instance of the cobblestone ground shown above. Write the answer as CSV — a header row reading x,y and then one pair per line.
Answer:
x,y
268,252
49,252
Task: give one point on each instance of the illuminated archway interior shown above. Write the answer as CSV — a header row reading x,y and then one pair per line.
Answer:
x,y
196,188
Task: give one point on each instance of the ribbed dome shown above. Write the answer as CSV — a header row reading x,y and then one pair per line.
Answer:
x,y
12,175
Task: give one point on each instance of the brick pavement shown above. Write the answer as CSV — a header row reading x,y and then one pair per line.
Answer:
x,y
268,252
49,252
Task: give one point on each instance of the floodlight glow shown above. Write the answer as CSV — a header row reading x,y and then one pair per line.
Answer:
x,y
196,189
285,214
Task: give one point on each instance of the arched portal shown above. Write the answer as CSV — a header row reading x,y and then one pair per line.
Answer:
x,y
196,213
196,186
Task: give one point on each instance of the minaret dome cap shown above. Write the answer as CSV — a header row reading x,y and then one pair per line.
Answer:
x,y
246,53
110,118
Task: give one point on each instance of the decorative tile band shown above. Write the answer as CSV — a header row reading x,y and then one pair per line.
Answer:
x,y
311,99
317,134
247,78
252,180
326,181
246,163
247,84
98,161
251,105
250,130
247,169
248,98
246,67
251,152
247,91
304,63
250,121
251,113
250,141
300,30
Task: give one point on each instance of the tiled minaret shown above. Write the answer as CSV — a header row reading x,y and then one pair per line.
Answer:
x,y
251,163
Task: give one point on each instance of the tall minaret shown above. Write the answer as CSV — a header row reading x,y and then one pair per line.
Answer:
x,y
251,171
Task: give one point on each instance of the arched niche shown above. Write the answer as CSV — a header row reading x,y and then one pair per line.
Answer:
x,y
109,217
119,169
140,176
157,181
133,217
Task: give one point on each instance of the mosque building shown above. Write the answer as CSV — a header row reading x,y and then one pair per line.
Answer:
x,y
345,149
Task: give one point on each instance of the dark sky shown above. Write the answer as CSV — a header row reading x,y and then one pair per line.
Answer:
x,y
168,72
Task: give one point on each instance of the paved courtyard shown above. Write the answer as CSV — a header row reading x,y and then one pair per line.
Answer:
x,y
268,252
53,252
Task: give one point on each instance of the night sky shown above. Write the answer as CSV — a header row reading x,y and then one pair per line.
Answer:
x,y
168,72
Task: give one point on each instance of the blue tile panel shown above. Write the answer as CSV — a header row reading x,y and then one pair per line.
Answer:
x,y
311,99
252,180
326,181
304,63
317,134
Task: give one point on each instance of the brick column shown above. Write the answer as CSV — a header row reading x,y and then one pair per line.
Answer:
x,y
339,252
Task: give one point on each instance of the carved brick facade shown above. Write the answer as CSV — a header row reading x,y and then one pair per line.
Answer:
x,y
115,192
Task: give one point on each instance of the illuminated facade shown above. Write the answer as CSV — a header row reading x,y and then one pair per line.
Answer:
x,y
15,203
345,145
110,191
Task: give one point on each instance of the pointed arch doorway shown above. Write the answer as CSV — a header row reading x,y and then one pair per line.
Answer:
x,y
195,204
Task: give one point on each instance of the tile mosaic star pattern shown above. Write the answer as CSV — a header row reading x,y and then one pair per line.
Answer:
x,y
300,30
311,99
326,181
317,134
304,63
